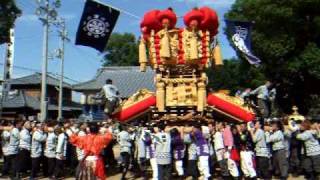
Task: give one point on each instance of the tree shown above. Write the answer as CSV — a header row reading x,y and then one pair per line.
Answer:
x,y
122,50
8,14
286,37
233,76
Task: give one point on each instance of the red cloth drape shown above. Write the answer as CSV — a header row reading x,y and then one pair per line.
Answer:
x,y
135,109
230,108
93,144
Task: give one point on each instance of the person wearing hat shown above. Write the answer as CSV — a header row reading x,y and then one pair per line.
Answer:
x,y
310,164
275,136
38,137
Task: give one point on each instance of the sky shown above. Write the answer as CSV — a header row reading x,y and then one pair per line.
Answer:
x,y
81,63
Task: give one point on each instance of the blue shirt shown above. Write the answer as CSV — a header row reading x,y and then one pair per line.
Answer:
x,y
38,138
51,143
262,92
25,139
13,147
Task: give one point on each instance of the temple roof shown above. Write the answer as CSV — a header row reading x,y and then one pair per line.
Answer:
x,y
128,79
35,79
19,99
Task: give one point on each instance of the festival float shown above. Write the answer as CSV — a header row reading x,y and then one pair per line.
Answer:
x,y
179,58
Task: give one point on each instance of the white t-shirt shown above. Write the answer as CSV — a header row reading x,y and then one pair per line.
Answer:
x,y
110,91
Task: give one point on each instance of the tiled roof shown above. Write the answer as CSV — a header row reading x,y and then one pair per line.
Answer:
x,y
35,79
14,101
21,100
128,79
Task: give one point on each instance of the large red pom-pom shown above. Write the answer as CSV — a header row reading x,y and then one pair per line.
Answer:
x,y
193,17
168,15
210,20
150,22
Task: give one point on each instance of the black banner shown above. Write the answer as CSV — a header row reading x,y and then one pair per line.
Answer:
x,y
96,24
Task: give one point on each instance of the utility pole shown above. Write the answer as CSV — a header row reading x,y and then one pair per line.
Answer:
x,y
7,69
47,14
63,37
44,102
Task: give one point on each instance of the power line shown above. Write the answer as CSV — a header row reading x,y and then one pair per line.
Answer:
x,y
119,9
81,52
38,71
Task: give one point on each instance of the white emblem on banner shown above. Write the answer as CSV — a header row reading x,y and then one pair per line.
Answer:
x,y
239,42
96,26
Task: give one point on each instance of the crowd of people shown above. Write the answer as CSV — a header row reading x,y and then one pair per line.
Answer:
x,y
162,151
264,148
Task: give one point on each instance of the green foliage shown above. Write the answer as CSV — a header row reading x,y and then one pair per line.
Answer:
x,y
8,14
234,75
286,37
122,50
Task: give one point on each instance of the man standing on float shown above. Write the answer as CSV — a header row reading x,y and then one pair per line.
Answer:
x,y
111,94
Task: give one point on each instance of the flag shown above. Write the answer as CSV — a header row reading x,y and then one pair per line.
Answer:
x,y
241,38
96,24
